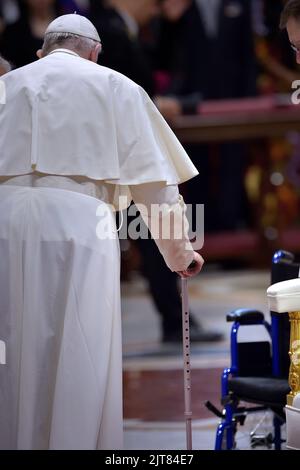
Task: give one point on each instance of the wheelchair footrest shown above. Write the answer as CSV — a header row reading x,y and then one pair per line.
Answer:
x,y
261,440
213,409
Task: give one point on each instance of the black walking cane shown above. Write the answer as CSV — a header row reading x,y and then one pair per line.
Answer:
x,y
187,362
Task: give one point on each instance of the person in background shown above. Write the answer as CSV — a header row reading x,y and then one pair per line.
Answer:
x,y
207,50
201,40
277,204
4,66
80,6
21,40
120,22
275,55
9,11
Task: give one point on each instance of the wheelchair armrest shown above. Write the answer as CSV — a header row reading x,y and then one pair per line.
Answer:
x,y
245,316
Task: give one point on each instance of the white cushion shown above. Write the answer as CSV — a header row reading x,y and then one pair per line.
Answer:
x,y
296,401
284,296
293,427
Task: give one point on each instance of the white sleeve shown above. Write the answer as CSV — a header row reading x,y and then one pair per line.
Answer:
x,y
163,210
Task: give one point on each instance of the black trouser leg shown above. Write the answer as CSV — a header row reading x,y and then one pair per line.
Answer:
x,y
163,285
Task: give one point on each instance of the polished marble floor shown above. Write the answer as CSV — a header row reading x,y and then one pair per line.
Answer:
x,y
153,377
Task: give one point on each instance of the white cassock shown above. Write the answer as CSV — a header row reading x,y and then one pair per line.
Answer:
x,y
73,137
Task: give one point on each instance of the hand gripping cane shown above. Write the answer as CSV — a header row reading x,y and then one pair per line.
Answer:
x,y
187,363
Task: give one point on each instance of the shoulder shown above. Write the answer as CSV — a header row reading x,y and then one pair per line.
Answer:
x,y
92,72
117,79
16,74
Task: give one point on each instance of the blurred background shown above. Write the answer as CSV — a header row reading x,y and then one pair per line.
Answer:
x,y
221,73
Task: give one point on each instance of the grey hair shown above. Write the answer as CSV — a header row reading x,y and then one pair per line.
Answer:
x,y
76,43
5,65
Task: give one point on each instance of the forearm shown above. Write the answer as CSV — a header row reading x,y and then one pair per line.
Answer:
x,y
163,210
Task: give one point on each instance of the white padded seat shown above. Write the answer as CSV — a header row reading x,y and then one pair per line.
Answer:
x,y
293,424
284,296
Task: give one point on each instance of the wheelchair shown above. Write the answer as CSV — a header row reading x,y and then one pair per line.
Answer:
x,y
256,383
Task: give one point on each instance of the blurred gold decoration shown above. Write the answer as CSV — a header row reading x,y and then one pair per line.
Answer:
x,y
288,204
253,180
261,49
294,353
270,210
279,150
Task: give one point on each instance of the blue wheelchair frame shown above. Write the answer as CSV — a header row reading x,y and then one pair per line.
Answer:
x,y
232,414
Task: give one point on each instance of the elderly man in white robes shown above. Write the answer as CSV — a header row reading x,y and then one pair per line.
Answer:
x,y
75,137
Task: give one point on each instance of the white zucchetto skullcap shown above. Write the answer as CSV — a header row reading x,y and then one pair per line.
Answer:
x,y
74,24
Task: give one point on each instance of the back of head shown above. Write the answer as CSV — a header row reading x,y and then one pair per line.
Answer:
x,y
73,32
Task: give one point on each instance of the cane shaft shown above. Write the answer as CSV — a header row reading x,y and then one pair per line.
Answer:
x,y
187,363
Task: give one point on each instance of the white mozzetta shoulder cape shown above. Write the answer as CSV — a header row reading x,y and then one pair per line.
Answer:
x,y
65,115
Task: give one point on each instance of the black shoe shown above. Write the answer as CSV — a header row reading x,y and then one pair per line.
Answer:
x,y
197,334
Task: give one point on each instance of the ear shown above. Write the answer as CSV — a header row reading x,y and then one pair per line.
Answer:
x,y
39,53
95,53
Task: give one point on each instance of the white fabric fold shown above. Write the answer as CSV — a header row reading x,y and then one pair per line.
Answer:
x,y
60,321
160,206
78,118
